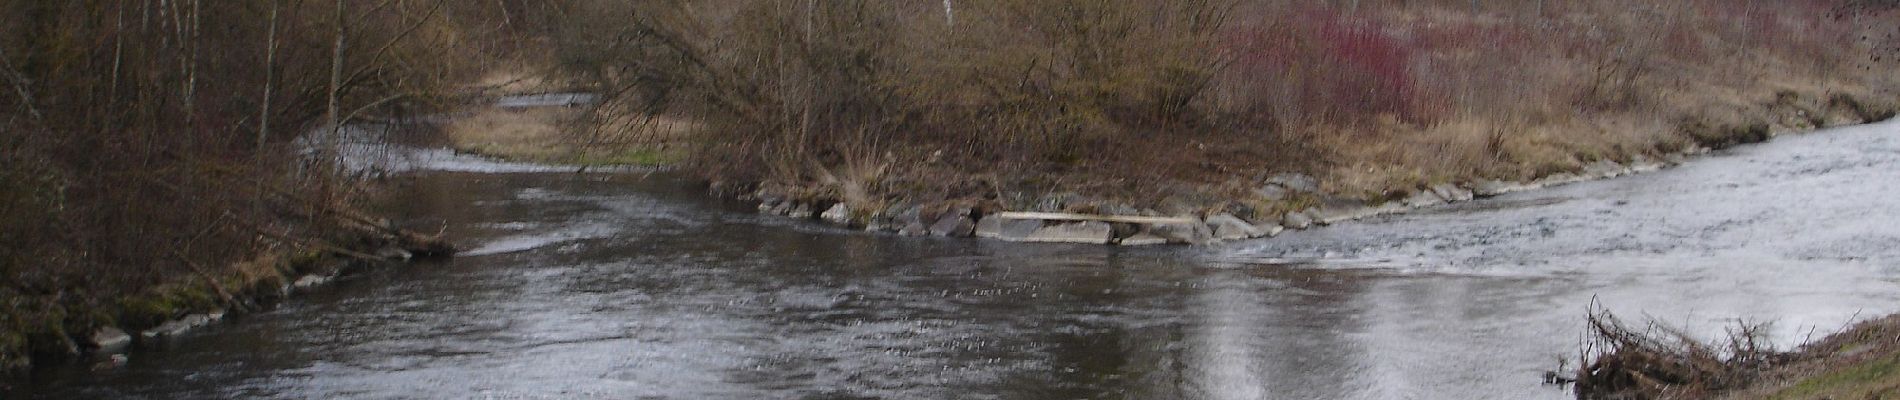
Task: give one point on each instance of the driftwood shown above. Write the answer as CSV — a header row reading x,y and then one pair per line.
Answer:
x,y
1660,362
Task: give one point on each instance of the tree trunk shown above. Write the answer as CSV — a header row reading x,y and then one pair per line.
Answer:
x,y
331,111
270,75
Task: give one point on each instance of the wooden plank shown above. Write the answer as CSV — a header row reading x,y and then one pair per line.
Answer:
x,y
1127,219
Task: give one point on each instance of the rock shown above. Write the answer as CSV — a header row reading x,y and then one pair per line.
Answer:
x,y
907,216
1422,199
801,211
1274,230
1452,192
766,206
1089,232
1295,182
955,223
176,327
994,227
111,362
839,214
782,208
1119,209
989,227
1645,167
914,229
1229,227
1490,187
1143,239
1297,220
394,253
1193,233
1557,179
1272,192
309,281
109,339
1603,169
1174,206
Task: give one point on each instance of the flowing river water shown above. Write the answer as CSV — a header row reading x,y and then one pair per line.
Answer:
x,y
637,285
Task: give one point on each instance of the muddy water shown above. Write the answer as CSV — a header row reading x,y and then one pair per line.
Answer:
x,y
633,285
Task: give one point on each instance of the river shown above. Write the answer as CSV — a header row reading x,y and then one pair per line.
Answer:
x,y
637,285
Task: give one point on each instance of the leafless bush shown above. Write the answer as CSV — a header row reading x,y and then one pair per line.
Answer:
x,y
1660,362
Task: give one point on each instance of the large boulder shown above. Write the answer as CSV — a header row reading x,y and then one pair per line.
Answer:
x,y
1087,232
955,223
1010,229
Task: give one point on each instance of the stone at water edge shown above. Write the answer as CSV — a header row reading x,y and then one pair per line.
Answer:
x,y
914,229
955,223
1016,230
1493,187
802,211
1452,192
1603,169
309,281
1423,198
177,326
1143,239
839,214
1297,220
1189,233
109,339
1229,227
1089,232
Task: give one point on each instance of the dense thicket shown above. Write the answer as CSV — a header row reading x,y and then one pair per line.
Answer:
x,y
147,141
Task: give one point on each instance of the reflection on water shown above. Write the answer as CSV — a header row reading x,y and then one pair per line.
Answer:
x,y
625,286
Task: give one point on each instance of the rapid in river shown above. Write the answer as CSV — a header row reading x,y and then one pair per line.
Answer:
x,y
632,284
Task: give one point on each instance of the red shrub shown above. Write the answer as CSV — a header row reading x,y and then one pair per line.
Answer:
x,y
1321,66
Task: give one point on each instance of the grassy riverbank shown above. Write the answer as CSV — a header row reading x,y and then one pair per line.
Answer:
x,y
1194,107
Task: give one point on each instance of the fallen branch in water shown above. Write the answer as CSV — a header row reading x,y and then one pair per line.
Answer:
x,y
1659,362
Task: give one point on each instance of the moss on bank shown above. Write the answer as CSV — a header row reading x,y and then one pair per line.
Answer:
x,y
1875,379
38,329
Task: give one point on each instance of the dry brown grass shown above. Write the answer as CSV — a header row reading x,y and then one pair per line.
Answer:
x,y
1143,102
558,135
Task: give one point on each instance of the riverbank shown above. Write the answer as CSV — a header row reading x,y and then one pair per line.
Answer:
x,y
1203,214
42,329
1862,361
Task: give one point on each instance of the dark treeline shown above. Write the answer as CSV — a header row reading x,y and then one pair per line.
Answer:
x,y
147,142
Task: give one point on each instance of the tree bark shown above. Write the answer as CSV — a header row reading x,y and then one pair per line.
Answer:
x,y
270,75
